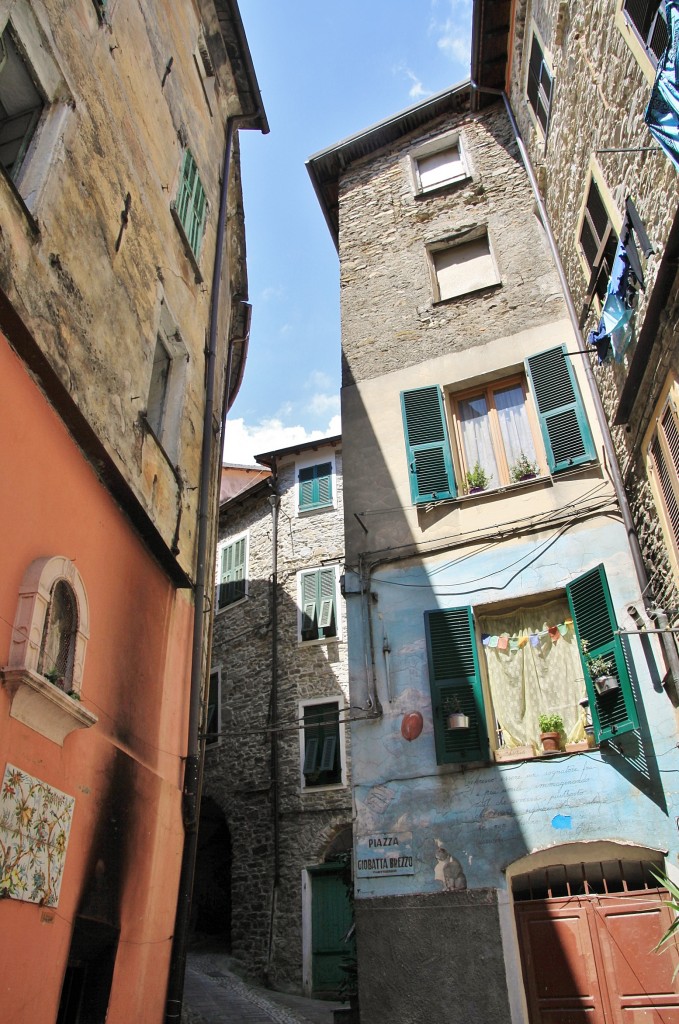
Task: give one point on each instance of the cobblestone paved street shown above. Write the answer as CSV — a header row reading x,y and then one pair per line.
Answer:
x,y
214,994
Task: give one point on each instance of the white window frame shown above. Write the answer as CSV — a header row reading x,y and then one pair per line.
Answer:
x,y
222,544
317,460
669,396
442,143
634,42
32,175
338,617
459,241
206,70
341,707
595,173
167,334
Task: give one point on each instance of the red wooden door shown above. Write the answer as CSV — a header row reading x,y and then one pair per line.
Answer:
x,y
590,960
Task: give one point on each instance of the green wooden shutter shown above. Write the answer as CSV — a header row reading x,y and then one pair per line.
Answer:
x,y
238,577
613,712
430,466
455,683
310,755
191,203
232,574
322,764
327,616
565,431
315,486
309,586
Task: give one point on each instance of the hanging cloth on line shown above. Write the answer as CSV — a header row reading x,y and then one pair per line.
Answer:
x,y
662,112
615,327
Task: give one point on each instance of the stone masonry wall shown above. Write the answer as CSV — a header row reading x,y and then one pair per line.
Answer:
x,y
238,770
389,316
599,96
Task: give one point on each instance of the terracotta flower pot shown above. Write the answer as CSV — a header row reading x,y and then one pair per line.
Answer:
x,y
550,740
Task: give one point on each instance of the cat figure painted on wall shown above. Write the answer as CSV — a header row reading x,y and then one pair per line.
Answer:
x,y
448,870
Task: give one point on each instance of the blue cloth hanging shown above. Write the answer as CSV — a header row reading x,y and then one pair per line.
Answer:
x,y
615,328
662,112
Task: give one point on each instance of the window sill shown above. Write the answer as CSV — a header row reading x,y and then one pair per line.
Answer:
x,y
319,641
332,787
302,513
526,753
190,254
486,287
446,186
44,707
18,201
232,604
546,480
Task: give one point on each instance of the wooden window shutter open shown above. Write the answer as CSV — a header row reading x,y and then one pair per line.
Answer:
x,y
565,430
455,683
326,617
430,467
614,712
328,754
310,755
315,486
664,466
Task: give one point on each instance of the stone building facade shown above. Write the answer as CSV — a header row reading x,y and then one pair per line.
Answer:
x,y
118,151
278,760
600,62
487,560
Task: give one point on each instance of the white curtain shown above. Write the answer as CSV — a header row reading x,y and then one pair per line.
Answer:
x,y
476,439
514,425
535,679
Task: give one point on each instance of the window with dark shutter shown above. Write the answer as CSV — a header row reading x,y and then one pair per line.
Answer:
x,y
613,712
190,206
565,431
539,85
598,238
315,487
322,763
647,18
232,580
21,105
430,467
455,684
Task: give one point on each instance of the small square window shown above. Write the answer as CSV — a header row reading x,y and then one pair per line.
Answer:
x,y
166,387
315,487
232,571
497,440
321,746
439,163
21,105
318,604
539,85
464,267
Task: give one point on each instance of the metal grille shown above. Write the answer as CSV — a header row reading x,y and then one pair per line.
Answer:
x,y
58,638
586,879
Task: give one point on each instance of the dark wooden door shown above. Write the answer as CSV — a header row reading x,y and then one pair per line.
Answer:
x,y
331,919
590,959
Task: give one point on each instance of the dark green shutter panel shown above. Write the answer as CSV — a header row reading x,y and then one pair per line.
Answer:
x,y
306,487
565,431
309,609
430,466
614,712
324,480
455,685
315,486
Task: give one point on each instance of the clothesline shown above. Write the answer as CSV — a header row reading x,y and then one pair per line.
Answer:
x,y
516,642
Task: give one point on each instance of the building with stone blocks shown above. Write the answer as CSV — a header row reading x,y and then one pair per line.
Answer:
x,y
598,64
123,335
277,763
501,873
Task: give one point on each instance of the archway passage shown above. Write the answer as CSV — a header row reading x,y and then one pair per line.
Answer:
x,y
211,910
587,934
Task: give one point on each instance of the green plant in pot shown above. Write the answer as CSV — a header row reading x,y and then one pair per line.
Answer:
x,y
551,727
599,669
523,469
477,478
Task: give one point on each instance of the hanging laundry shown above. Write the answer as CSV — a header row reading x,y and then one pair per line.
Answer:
x,y
615,328
662,112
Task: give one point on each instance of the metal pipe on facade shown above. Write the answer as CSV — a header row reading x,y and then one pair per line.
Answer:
x,y
669,647
192,766
274,501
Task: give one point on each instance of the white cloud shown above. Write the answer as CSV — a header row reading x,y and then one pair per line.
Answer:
x,y
454,32
417,90
242,441
272,292
322,404
319,381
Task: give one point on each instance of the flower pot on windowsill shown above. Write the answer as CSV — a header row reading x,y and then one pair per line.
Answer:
x,y
606,684
476,490
457,720
550,741
527,476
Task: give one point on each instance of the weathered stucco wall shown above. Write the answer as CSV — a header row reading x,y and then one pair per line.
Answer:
x,y
238,770
91,293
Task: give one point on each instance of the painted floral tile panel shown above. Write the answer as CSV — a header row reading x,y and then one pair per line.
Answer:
x,y
35,822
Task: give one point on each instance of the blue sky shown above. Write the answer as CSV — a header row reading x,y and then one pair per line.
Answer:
x,y
326,70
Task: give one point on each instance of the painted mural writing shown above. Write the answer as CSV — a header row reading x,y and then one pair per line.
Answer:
x,y
35,821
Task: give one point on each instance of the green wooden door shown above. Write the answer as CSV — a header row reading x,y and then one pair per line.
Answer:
x,y
330,921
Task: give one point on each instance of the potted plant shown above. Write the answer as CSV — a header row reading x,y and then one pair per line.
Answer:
x,y
55,677
599,669
523,469
477,479
456,718
550,731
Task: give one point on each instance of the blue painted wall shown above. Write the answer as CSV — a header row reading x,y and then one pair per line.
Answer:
x,y
488,817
